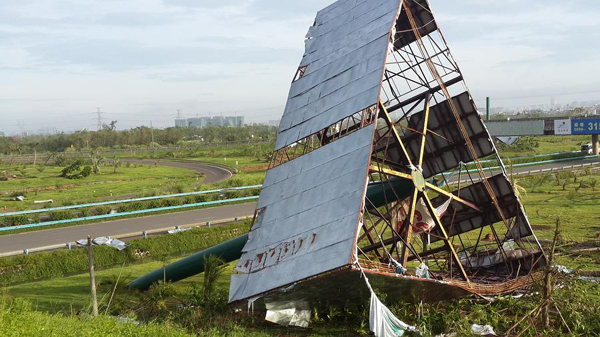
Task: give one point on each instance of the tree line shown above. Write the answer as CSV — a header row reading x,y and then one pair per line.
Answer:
x,y
141,136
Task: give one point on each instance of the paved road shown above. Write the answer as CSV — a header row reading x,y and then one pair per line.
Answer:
x,y
49,237
15,242
212,174
537,169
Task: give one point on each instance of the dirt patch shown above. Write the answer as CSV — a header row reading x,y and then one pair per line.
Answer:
x,y
540,227
255,168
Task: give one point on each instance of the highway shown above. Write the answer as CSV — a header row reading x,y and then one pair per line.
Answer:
x,y
50,237
122,228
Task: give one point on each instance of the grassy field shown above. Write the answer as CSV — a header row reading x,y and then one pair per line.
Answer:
x,y
573,198
540,145
132,180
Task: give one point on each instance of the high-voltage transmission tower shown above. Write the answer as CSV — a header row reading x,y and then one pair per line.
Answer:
x,y
99,118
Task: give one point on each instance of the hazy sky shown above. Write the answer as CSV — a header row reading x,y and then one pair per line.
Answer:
x,y
141,60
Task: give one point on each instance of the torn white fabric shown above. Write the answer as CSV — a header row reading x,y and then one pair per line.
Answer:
x,y
482,330
382,321
287,317
398,268
422,270
251,303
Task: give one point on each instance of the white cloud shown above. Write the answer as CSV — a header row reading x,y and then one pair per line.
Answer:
x,y
151,57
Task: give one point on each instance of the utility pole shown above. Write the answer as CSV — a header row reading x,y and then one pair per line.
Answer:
x,y
92,277
151,135
487,108
99,118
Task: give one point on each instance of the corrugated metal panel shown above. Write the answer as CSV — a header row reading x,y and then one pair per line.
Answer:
x,y
516,128
310,212
344,58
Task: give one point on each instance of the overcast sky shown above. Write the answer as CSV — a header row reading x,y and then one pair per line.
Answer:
x,y
141,60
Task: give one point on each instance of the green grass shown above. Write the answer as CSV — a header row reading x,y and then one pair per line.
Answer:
x,y
71,293
547,144
36,185
17,319
578,208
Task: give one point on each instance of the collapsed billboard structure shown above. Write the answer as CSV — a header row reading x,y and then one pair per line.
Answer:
x,y
377,170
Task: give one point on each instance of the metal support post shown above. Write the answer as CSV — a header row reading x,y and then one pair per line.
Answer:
x,y
92,277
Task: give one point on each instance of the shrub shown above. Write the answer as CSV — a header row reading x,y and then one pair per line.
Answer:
x,y
101,210
25,268
173,202
133,206
71,169
15,220
61,215
202,198
85,172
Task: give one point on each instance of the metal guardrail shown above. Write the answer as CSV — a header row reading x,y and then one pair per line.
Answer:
x,y
104,203
113,202
538,171
550,161
116,215
144,234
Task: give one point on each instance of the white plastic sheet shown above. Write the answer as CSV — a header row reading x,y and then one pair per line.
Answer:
x,y
422,271
103,240
483,330
383,323
287,317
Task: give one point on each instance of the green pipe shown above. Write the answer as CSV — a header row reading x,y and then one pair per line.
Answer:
x,y
231,250
379,193
228,251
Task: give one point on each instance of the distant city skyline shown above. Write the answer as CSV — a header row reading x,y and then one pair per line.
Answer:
x,y
143,60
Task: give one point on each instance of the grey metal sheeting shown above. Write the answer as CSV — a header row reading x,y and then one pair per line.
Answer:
x,y
345,57
516,128
310,216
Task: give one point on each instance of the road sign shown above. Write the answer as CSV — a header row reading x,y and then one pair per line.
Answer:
x,y
562,127
585,126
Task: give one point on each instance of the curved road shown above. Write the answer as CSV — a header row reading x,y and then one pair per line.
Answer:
x,y
134,226
212,174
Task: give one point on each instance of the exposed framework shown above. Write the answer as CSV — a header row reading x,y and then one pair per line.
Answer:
x,y
379,132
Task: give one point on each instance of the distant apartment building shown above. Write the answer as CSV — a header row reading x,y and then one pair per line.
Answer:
x,y
201,122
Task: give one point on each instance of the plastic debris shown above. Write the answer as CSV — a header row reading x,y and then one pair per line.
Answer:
x,y
483,330
398,268
563,269
104,240
422,270
178,230
382,321
287,317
